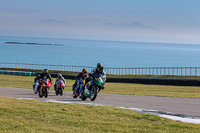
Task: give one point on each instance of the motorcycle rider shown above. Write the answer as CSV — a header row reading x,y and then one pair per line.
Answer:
x,y
45,75
60,77
98,69
82,75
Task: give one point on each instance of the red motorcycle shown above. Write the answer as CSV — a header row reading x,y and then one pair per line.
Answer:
x,y
44,89
60,85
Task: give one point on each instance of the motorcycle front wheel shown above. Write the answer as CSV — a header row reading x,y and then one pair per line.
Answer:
x,y
57,93
40,95
61,91
74,95
94,92
82,96
46,92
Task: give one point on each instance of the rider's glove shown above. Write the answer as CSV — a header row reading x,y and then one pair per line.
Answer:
x,y
90,78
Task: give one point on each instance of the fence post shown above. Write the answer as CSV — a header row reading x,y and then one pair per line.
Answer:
x,y
157,70
190,71
139,70
186,71
160,70
149,71
169,70
142,70
164,71
181,71
196,71
136,71
146,71
153,70
177,71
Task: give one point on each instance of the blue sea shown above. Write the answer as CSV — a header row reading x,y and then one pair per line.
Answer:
x,y
90,52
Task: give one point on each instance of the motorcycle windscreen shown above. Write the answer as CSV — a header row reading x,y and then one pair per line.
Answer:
x,y
99,79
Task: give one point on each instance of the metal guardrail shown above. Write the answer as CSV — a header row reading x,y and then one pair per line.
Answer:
x,y
184,71
21,73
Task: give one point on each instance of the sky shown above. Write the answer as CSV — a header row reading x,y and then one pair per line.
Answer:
x,y
171,21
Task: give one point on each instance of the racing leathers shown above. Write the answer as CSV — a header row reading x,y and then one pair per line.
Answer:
x,y
46,76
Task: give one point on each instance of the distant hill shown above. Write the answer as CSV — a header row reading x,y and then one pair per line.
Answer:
x,y
51,21
108,24
136,25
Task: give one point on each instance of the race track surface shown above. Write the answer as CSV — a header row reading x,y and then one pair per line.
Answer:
x,y
179,106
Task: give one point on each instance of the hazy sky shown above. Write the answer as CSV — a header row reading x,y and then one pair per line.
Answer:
x,y
125,20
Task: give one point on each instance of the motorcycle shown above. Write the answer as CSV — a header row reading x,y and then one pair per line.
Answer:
x,y
44,89
36,87
78,88
98,83
60,85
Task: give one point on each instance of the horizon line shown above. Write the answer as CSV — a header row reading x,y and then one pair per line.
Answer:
x,y
102,40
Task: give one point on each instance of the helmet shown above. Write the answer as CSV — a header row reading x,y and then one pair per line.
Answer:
x,y
45,71
59,76
38,75
100,67
84,70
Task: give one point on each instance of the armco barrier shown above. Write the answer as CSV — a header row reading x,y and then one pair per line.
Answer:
x,y
21,73
54,75
156,81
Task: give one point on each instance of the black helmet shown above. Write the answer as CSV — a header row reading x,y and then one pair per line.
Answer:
x,y
45,71
84,70
100,67
59,76
38,75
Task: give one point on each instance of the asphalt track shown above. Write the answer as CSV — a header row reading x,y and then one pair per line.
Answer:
x,y
181,107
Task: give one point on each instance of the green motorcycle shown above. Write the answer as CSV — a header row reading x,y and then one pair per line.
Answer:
x,y
98,83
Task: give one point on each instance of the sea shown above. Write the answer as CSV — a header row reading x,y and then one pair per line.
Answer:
x,y
56,51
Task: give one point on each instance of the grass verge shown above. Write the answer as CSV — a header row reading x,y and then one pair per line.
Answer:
x,y
37,116
113,88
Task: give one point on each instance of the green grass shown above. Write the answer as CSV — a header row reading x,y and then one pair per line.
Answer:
x,y
113,88
108,75
22,116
